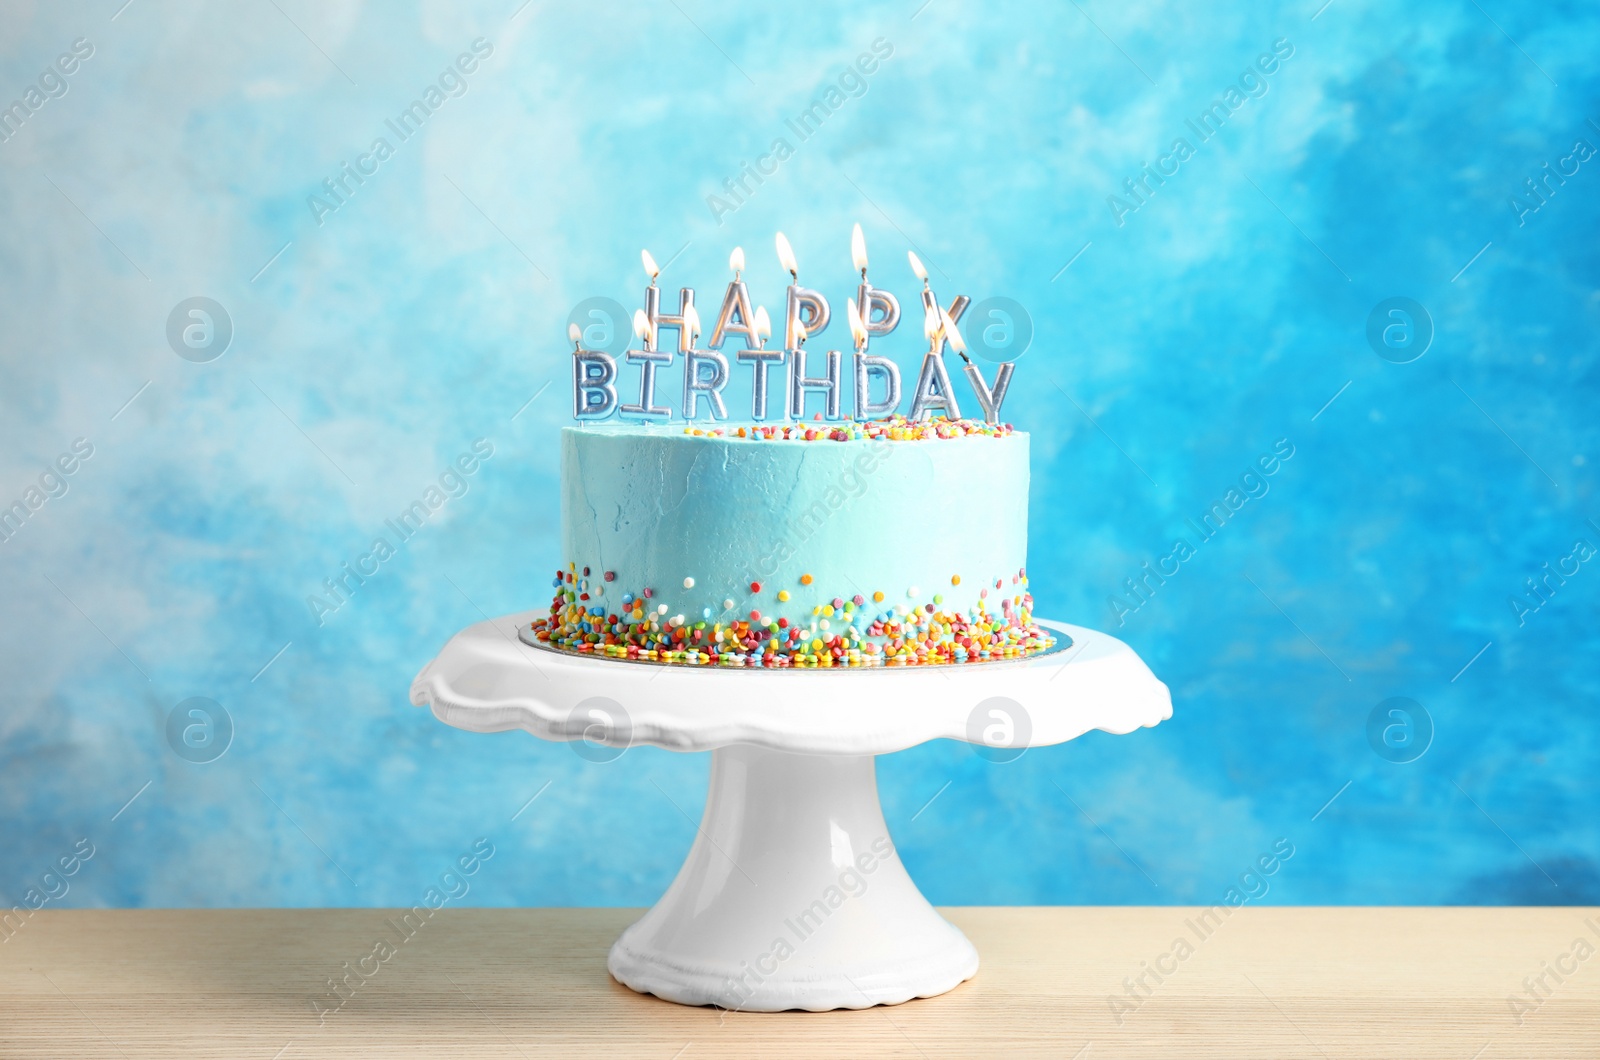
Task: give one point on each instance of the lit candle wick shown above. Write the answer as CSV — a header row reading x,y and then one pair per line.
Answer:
x,y
916,267
858,330
763,327
952,335
786,257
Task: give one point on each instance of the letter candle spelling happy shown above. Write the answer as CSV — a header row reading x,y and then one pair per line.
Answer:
x,y
799,298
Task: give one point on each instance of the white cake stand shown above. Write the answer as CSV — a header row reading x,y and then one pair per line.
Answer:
x,y
792,896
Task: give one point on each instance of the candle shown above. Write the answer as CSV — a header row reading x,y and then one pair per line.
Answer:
x,y
652,307
786,257
695,385
594,374
930,301
870,300
952,335
933,383
991,398
865,366
800,382
760,359
858,331
799,298
648,359
916,267
734,318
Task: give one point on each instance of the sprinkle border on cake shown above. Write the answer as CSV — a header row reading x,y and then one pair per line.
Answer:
x,y
849,631
893,428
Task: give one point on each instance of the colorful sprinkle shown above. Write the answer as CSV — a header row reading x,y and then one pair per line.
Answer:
x,y
755,587
688,583
893,428
805,579
783,596
611,575
901,636
955,579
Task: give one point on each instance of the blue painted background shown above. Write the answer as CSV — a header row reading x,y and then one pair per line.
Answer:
x,y
1174,344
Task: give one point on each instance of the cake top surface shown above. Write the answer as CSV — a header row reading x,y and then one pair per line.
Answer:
x,y
893,428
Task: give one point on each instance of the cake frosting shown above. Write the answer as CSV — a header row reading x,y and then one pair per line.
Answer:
x,y
795,544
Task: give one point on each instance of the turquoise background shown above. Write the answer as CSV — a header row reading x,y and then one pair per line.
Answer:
x,y
375,343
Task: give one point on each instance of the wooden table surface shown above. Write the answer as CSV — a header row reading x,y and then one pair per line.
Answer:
x,y
1269,982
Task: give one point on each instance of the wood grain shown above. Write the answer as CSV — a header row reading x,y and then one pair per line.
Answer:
x,y
1269,982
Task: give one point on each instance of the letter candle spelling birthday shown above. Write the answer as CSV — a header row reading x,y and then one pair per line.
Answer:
x,y
933,382
594,397
990,399
799,382
693,384
760,360
648,359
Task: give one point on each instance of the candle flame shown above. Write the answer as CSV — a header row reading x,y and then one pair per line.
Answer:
x,y
736,260
932,325
575,333
952,334
641,324
916,266
691,320
858,330
858,249
800,334
786,256
649,265
763,325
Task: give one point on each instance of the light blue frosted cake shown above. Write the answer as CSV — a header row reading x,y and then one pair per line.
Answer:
x,y
837,544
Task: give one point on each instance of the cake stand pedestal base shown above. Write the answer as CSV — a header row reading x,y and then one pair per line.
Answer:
x,y
792,898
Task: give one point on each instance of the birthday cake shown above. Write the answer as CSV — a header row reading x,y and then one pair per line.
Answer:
x,y
864,541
